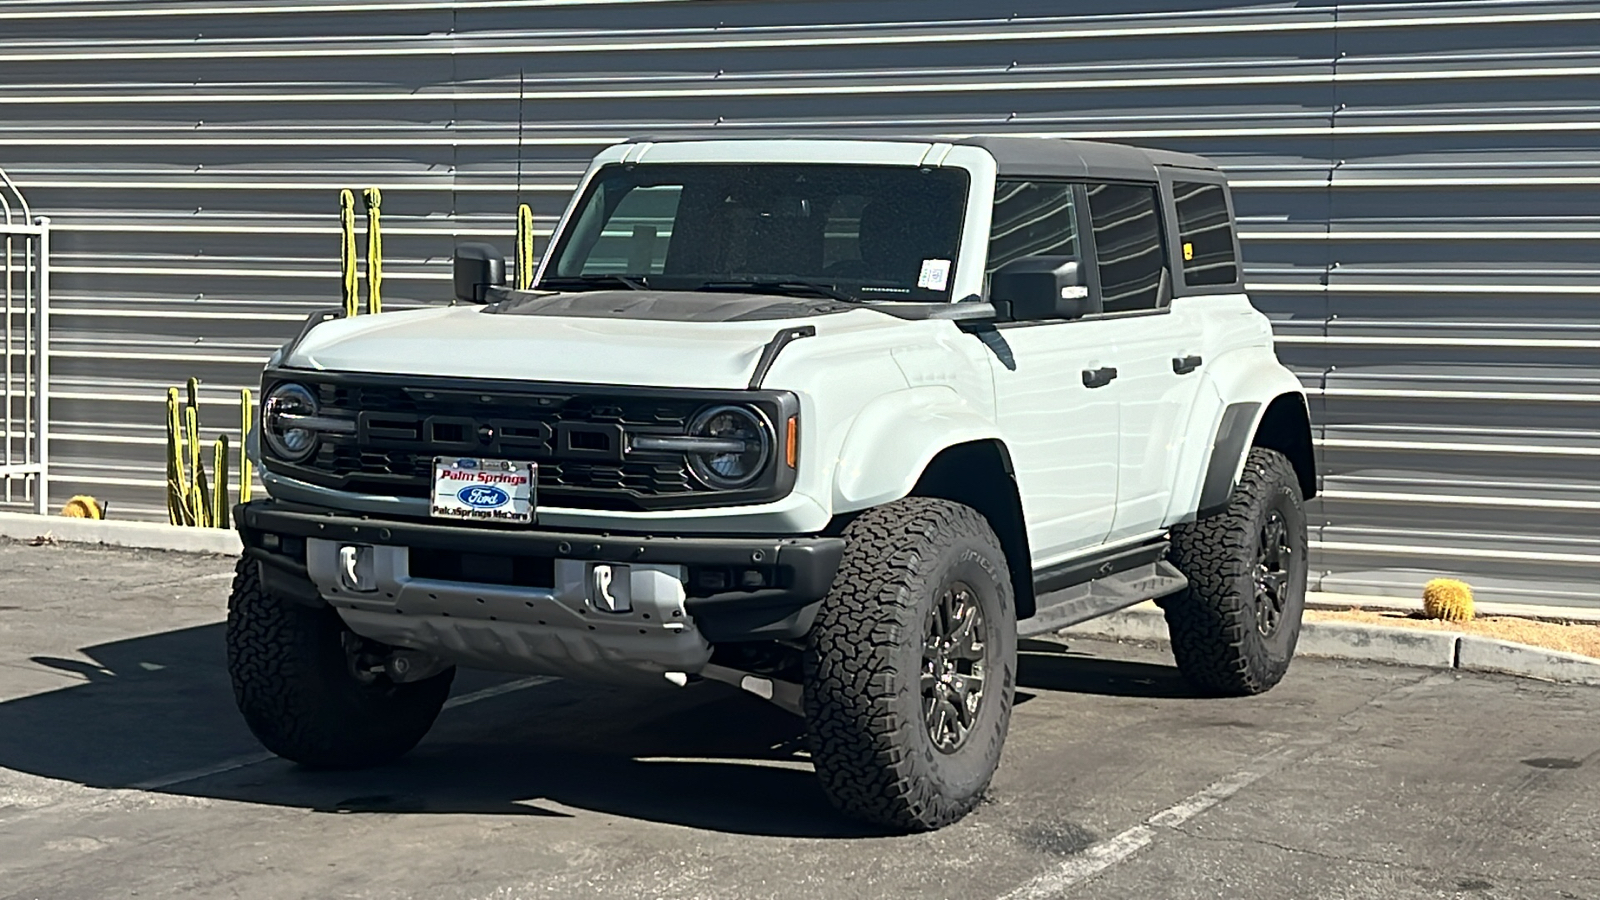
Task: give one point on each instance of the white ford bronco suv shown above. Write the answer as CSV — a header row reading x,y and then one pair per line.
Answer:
x,y
835,421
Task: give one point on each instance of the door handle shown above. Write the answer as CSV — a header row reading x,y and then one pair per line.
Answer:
x,y
1093,378
1183,365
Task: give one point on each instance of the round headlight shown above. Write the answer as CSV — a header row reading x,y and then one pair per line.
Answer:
x,y
729,469
285,406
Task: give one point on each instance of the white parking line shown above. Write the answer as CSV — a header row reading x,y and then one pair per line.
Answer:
x,y
227,765
1102,855
214,576
498,689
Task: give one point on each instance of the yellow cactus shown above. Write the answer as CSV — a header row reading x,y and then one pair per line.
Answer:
x,y
374,198
83,506
195,497
198,508
177,481
219,482
347,252
524,247
1447,599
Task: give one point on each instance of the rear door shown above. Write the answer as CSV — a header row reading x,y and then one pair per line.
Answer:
x,y
1153,344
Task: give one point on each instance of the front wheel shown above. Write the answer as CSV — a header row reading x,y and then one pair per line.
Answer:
x,y
1234,629
307,687
911,665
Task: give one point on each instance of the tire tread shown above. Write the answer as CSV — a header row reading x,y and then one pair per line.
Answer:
x,y
863,746
299,702
1212,623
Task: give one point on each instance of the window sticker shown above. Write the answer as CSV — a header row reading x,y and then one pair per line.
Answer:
x,y
935,275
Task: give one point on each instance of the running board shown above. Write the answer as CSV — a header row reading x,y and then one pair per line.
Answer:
x,y
1086,601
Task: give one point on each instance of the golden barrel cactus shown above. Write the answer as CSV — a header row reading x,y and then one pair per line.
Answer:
x,y
1447,599
83,506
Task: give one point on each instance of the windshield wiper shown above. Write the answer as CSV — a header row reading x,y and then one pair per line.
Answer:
x,y
585,282
782,286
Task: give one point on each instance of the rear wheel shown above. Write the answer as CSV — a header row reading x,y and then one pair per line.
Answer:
x,y
1235,627
312,690
911,666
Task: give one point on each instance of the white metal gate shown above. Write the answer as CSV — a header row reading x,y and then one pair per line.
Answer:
x,y
25,460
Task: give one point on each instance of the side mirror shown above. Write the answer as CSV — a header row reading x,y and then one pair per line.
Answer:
x,y
1041,287
477,268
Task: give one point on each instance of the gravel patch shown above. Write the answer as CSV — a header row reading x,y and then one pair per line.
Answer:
x,y
1568,637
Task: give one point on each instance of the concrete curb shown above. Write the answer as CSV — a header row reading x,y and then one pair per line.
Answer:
x,y
143,535
1489,655
1377,643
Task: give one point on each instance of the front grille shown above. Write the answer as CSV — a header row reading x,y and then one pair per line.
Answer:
x,y
576,435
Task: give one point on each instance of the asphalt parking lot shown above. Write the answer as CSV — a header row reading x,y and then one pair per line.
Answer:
x,y
124,771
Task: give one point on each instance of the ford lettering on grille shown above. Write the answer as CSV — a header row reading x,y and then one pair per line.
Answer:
x,y
480,496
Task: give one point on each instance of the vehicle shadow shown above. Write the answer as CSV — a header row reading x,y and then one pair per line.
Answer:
x,y
159,706
1053,666
157,713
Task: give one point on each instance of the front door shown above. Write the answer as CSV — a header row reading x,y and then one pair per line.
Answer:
x,y
1062,433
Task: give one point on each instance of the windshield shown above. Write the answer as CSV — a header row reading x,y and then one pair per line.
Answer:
x,y
847,231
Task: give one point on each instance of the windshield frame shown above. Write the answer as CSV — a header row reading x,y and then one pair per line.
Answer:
x,y
979,167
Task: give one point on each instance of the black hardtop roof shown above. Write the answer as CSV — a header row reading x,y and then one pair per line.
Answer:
x,y
1056,157
1034,157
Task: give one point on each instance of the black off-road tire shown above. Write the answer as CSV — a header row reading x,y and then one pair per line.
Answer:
x,y
863,696
294,684
1222,637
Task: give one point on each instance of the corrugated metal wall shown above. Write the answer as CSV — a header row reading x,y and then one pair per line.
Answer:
x,y
1419,185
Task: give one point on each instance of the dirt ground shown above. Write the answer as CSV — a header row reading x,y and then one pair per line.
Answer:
x,y
1568,637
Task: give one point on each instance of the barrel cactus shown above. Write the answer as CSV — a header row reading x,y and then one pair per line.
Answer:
x,y
1447,599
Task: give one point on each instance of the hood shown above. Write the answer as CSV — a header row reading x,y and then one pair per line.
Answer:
x,y
597,348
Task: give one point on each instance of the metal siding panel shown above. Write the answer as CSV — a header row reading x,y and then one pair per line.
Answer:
x,y
1462,304
1416,185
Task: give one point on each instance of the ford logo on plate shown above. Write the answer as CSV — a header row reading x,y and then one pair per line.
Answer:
x,y
481,496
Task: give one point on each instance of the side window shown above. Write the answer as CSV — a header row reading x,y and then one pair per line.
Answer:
x,y
1032,219
1128,245
1206,233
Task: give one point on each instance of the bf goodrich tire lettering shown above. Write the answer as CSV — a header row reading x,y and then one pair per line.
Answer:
x,y
1225,639
864,667
292,682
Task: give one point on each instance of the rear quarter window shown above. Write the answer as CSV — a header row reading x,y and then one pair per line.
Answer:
x,y
1205,234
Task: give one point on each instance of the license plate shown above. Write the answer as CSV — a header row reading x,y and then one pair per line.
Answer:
x,y
491,490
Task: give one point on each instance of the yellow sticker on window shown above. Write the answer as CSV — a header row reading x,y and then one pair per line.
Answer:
x,y
1188,251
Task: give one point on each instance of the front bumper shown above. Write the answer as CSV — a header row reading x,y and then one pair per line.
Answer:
x,y
796,572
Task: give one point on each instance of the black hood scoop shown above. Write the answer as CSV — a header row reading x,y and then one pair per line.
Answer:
x,y
660,306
